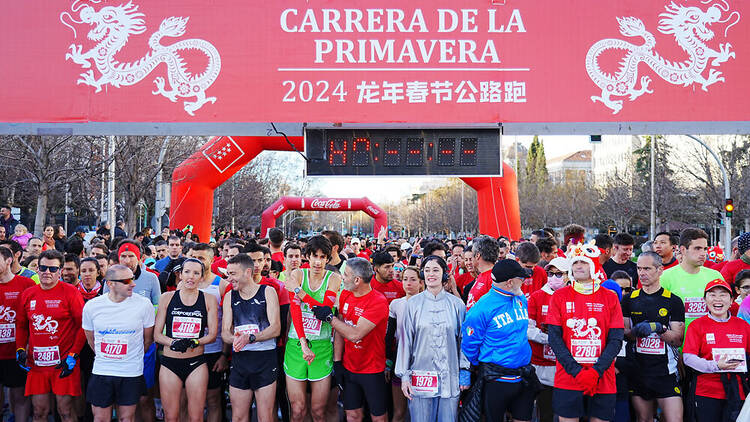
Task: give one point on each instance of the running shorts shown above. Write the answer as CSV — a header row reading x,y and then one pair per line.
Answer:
x,y
253,370
651,388
573,404
48,381
11,375
297,368
359,388
106,390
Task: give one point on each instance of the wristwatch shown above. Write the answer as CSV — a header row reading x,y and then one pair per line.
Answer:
x,y
297,290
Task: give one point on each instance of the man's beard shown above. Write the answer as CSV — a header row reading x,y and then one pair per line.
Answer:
x,y
264,273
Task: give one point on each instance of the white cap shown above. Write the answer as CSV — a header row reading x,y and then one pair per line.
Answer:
x,y
562,264
355,240
405,246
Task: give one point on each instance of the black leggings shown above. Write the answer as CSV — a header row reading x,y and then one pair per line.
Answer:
x,y
182,367
709,409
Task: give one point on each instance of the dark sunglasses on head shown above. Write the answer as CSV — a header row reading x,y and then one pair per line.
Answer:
x,y
50,268
123,281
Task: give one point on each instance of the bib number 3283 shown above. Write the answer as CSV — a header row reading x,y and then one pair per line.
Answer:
x,y
424,382
695,307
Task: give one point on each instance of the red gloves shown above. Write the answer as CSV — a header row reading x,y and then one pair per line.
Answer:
x,y
588,378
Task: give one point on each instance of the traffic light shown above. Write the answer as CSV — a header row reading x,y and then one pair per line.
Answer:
x,y
729,208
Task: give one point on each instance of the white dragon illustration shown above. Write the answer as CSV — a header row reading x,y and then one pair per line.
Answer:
x,y
689,25
113,25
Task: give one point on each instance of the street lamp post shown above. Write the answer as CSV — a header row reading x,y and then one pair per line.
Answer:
x,y
727,219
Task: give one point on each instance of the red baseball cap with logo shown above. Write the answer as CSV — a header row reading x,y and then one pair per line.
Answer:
x,y
717,283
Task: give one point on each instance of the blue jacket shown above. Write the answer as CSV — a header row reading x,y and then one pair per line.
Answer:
x,y
495,330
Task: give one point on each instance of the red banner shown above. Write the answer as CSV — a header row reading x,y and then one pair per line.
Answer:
x,y
374,61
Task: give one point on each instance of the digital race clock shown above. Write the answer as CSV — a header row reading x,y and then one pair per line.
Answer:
x,y
403,152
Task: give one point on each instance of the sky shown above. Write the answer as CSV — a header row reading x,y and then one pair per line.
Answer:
x,y
392,189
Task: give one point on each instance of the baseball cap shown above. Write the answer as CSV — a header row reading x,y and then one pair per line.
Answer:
x,y
405,246
80,229
560,263
717,283
354,240
506,269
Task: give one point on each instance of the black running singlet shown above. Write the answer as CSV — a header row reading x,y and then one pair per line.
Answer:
x,y
186,321
250,316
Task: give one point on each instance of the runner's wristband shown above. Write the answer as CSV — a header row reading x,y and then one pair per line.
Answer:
x,y
389,364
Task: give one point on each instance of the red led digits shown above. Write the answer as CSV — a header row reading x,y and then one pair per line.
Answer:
x,y
337,152
415,150
361,152
446,151
468,152
392,152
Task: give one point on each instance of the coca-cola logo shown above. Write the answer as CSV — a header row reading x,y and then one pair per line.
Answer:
x,y
327,204
373,210
278,210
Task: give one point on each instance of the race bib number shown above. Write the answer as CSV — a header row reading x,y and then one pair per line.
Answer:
x,y
424,382
46,356
651,345
186,327
548,353
247,329
7,333
734,353
311,324
113,347
585,350
695,307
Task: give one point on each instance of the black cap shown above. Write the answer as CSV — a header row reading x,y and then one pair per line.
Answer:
x,y
80,229
506,269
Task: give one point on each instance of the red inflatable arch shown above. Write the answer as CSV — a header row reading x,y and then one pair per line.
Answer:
x,y
298,203
194,181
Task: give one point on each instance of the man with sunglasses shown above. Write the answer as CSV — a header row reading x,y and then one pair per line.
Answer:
x,y
654,327
11,375
49,327
119,326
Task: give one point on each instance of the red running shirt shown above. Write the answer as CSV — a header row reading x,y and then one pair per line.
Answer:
x,y
709,339
277,285
541,354
10,296
480,287
585,322
537,280
368,355
50,320
392,290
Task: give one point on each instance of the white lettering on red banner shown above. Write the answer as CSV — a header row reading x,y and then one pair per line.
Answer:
x,y
326,204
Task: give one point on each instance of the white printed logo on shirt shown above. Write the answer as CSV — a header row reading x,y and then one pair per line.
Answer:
x,y
586,344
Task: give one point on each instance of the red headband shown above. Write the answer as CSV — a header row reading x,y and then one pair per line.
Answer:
x,y
129,247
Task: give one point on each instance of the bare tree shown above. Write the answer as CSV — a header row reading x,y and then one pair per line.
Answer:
x,y
47,164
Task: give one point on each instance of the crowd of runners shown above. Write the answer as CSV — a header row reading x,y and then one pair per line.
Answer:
x,y
553,327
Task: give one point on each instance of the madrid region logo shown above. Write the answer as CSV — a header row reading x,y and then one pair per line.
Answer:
x,y
112,26
690,26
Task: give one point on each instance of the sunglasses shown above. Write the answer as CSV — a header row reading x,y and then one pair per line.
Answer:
x,y
125,281
555,274
50,268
